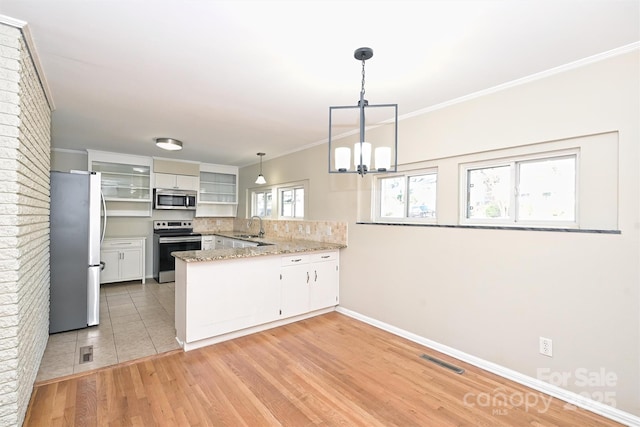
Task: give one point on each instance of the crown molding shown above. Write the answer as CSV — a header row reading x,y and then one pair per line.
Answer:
x,y
541,75
28,39
69,151
528,79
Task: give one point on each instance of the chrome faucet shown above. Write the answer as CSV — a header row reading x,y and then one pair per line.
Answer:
x,y
261,231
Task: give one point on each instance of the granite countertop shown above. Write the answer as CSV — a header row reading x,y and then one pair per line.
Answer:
x,y
274,246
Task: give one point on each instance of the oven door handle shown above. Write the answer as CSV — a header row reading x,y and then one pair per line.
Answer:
x,y
179,239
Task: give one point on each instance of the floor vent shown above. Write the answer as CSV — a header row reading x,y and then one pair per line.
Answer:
x,y
86,354
443,364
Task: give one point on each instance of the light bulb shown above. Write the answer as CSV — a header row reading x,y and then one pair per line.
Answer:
x,y
343,158
366,155
383,158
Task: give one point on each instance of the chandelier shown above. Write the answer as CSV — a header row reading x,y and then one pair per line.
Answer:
x,y
347,120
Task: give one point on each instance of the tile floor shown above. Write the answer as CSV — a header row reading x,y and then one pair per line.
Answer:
x,y
136,320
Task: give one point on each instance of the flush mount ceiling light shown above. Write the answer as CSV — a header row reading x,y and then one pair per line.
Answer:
x,y
260,179
343,120
169,144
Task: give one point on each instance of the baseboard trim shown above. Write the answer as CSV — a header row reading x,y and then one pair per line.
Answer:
x,y
188,346
534,383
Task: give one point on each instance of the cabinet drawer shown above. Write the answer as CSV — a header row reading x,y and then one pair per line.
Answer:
x,y
324,256
294,260
121,243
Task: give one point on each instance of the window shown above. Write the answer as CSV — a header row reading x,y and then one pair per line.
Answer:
x,y
286,201
529,191
292,202
407,198
261,203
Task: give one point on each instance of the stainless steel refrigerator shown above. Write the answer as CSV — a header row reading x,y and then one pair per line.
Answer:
x,y
75,234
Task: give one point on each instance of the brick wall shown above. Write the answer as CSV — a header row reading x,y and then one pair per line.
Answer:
x,y
25,119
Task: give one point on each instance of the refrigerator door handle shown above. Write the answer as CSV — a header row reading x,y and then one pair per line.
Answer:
x,y
104,224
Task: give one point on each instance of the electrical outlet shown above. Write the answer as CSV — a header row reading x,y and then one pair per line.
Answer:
x,y
546,346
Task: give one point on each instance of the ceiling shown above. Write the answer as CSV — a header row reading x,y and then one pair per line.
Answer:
x,y
232,78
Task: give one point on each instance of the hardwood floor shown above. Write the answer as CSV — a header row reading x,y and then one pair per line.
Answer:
x,y
326,371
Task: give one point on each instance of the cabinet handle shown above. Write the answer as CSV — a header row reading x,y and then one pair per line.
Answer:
x,y
316,272
307,277
296,260
325,256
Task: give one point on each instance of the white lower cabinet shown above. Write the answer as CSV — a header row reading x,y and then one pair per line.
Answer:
x,y
294,285
309,282
124,259
324,286
224,296
217,300
208,242
221,242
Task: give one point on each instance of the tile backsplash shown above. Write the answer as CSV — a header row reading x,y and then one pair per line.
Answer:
x,y
319,231
212,225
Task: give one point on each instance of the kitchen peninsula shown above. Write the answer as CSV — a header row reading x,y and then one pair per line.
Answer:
x,y
226,293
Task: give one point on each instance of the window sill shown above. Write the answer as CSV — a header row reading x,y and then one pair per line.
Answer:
x,y
496,227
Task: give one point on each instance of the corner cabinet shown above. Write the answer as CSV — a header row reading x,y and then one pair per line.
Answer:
x,y
126,182
124,259
218,195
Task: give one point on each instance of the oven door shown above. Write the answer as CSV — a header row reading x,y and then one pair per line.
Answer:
x,y
169,244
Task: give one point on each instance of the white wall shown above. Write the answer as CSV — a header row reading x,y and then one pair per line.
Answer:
x,y
493,293
25,119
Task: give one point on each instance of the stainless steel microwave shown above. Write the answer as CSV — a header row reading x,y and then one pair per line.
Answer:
x,y
174,199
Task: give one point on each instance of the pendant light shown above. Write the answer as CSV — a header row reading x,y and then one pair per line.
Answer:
x,y
384,146
170,144
260,179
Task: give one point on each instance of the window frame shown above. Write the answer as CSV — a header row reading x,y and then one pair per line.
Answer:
x,y
514,163
276,195
406,175
253,199
293,187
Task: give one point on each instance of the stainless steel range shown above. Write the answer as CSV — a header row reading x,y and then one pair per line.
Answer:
x,y
171,236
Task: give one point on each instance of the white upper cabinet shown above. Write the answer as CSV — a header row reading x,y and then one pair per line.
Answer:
x,y
128,182
125,180
218,195
176,175
176,182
